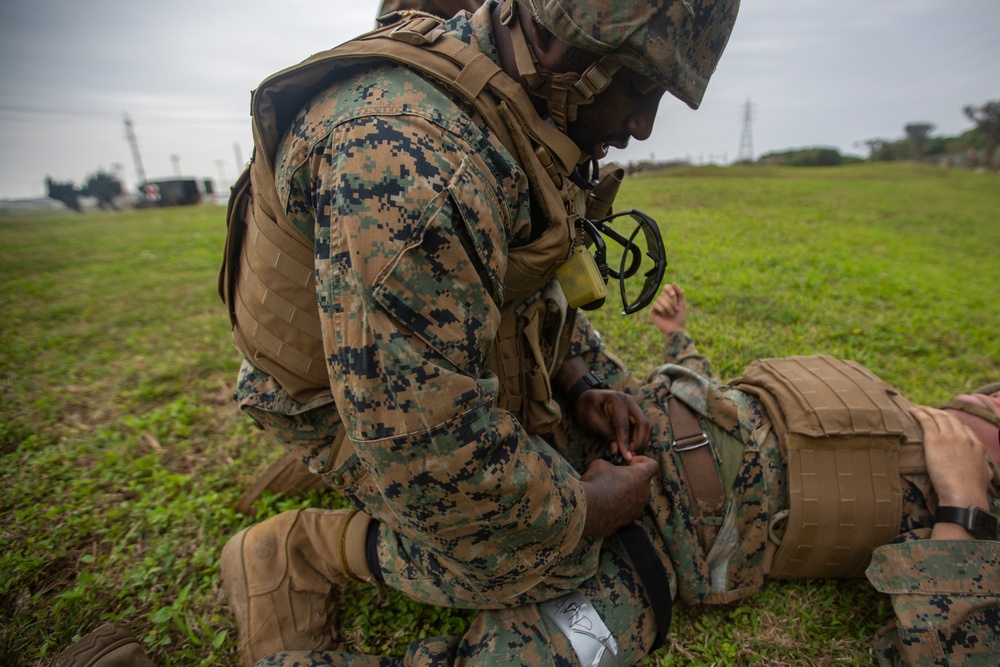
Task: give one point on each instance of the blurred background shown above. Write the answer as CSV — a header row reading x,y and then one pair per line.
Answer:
x,y
153,92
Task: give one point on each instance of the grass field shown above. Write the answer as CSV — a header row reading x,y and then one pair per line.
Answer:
x,y
121,453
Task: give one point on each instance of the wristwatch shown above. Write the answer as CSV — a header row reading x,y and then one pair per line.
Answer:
x,y
592,380
979,522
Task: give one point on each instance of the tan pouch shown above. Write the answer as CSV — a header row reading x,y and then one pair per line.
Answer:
x,y
841,429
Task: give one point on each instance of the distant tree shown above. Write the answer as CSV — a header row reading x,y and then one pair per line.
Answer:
x,y
876,148
987,120
103,187
817,156
918,133
65,192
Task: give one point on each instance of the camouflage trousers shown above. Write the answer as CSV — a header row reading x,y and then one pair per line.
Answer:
x,y
524,631
733,568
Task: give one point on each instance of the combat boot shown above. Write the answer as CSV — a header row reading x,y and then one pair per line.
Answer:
x,y
107,646
278,576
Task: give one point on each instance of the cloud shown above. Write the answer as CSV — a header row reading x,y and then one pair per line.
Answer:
x,y
824,71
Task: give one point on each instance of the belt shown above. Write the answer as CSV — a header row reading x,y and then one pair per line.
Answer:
x,y
697,467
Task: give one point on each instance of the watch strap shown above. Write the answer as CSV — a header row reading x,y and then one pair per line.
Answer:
x,y
976,520
591,380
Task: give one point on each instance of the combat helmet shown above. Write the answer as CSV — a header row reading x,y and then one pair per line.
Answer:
x,y
674,43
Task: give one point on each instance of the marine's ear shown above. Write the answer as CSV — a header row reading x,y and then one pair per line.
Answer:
x,y
550,52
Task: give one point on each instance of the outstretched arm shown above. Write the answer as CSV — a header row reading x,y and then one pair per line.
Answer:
x,y
945,590
956,463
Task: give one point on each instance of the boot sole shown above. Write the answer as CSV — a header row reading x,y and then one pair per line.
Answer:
x,y
95,646
234,583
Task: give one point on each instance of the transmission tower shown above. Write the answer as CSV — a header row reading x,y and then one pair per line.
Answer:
x,y
130,135
746,138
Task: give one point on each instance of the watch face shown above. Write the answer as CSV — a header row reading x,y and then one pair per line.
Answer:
x,y
984,525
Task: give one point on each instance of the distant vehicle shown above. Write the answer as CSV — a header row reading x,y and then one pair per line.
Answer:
x,y
174,192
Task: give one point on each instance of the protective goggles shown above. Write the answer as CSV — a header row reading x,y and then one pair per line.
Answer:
x,y
637,251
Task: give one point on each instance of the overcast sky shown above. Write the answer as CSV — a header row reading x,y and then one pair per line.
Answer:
x,y
818,72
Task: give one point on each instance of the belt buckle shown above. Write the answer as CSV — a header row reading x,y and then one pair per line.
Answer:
x,y
700,440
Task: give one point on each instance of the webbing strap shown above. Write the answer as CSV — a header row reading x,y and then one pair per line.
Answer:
x,y
277,347
697,465
652,575
982,410
273,302
261,243
459,67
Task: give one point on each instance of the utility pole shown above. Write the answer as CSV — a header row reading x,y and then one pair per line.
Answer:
x,y
222,180
746,138
177,165
239,158
120,174
130,136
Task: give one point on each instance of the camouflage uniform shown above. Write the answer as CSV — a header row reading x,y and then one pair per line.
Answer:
x,y
408,202
521,635
946,594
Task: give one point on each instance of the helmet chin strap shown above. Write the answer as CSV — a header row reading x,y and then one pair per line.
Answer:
x,y
563,92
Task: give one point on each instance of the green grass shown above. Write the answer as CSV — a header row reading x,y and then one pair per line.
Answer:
x,y
121,453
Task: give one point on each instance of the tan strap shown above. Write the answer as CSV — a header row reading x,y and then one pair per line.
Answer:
x,y
272,302
565,92
693,447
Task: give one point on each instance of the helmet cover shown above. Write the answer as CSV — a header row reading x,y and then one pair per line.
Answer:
x,y
674,43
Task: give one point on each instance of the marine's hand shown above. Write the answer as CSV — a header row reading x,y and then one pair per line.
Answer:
x,y
616,495
669,311
956,464
616,417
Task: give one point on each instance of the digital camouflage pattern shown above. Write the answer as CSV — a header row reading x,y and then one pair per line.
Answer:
x,y
676,43
945,595
756,489
497,635
411,206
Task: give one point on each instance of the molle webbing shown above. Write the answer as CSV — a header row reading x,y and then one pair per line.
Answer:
x,y
530,345
841,429
267,278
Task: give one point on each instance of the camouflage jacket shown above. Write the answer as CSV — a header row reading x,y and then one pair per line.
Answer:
x,y
411,206
945,594
748,461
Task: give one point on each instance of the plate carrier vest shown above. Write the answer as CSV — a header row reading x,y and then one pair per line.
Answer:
x,y
267,279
